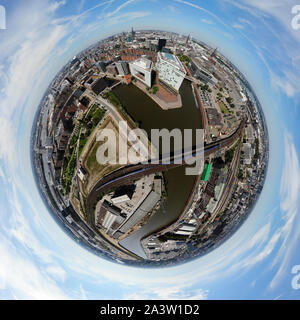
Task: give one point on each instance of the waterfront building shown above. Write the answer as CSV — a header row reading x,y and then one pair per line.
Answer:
x,y
146,207
111,69
171,71
120,199
122,68
141,69
109,217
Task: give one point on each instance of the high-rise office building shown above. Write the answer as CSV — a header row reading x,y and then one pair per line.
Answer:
x,y
187,40
132,33
141,69
122,68
101,66
161,43
171,71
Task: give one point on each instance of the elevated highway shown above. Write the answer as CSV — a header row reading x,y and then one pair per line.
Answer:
x,y
129,174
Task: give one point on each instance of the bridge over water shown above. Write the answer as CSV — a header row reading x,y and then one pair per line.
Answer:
x,y
130,174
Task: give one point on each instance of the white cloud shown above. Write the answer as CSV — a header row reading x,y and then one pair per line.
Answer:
x,y
228,35
27,266
56,272
8,150
282,49
128,16
83,293
238,26
267,250
252,11
56,5
81,5
172,9
287,83
122,6
290,198
20,275
26,62
207,21
193,5
169,293
246,254
245,21
290,182
26,58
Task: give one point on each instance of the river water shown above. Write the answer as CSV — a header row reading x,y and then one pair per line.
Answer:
x,y
150,116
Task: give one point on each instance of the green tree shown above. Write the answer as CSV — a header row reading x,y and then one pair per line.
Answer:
x,y
229,100
155,89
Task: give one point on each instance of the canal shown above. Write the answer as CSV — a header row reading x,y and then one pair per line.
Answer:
x,y
150,116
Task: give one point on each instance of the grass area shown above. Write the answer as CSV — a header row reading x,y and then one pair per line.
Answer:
x,y
89,122
82,143
92,163
94,116
69,163
113,99
223,108
69,171
184,58
95,169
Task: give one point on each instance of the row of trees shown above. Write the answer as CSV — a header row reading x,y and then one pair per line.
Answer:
x,y
229,100
205,87
89,123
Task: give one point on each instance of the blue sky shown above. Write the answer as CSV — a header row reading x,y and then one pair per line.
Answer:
x,y
38,260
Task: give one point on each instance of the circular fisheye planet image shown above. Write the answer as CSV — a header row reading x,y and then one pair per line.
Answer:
x,y
150,148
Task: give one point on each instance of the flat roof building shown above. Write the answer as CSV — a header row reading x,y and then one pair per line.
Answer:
x,y
170,70
146,207
248,153
202,74
120,199
111,69
101,65
122,68
161,43
206,172
141,69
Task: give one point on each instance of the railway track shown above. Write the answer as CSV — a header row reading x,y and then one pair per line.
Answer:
x,y
128,175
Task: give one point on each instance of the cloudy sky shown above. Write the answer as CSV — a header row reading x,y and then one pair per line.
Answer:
x,y
38,260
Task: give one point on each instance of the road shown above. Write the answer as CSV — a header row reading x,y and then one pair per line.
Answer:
x,y
130,174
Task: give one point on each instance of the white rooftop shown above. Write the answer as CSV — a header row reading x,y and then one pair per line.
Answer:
x,y
171,59
143,63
